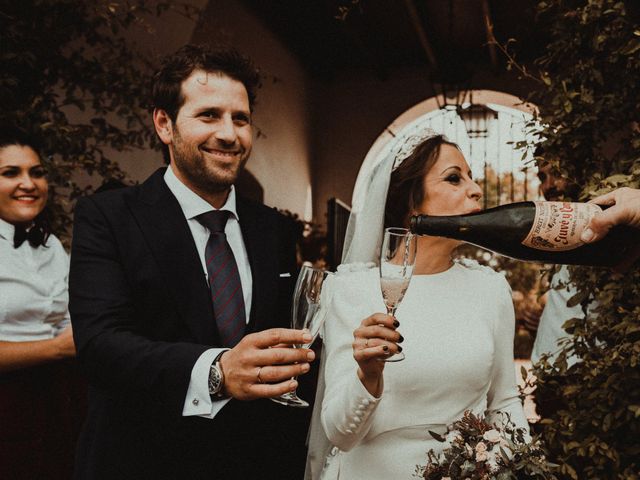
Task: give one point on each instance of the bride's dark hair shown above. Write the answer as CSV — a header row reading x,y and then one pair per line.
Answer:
x,y
406,187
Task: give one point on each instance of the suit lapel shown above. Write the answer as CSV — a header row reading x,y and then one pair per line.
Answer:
x,y
260,241
162,222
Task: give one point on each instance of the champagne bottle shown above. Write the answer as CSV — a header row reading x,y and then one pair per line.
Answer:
x,y
546,232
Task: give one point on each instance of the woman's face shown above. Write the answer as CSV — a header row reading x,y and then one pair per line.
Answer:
x,y
448,186
23,184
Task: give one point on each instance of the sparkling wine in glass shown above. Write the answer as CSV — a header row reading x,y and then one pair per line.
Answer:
x,y
397,260
311,299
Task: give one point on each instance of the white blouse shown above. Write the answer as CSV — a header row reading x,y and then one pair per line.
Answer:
x,y
33,288
458,327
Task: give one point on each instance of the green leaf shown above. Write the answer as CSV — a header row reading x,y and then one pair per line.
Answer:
x,y
578,298
632,47
568,106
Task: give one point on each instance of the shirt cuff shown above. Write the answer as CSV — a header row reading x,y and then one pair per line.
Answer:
x,y
62,326
198,402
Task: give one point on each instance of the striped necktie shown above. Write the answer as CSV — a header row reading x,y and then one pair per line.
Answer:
x,y
224,279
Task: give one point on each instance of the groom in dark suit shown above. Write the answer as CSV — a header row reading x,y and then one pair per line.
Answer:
x,y
180,294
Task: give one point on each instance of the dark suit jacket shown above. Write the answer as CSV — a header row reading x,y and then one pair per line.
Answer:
x,y
142,315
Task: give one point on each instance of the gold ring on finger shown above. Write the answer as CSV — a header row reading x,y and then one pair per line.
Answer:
x,y
258,375
366,343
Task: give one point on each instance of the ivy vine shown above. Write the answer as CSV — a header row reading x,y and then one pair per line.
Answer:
x,y
588,107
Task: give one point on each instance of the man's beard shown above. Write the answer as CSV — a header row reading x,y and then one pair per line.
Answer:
x,y
192,164
569,193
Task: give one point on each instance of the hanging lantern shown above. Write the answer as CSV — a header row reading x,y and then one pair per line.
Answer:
x,y
451,85
477,119
450,95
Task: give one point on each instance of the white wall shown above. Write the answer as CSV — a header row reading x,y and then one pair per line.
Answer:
x,y
350,113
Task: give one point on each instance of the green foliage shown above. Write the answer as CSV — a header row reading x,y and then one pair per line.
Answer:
x,y
589,106
70,76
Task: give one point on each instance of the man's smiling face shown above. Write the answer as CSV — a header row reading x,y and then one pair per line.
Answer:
x,y
210,140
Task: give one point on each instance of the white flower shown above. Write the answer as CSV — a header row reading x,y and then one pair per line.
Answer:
x,y
492,436
492,461
453,436
481,456
445,478
481,447
469,450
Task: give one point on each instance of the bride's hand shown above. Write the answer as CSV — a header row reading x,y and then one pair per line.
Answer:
x,y
375,339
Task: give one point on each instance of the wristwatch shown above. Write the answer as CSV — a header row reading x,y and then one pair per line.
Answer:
x,y
216,379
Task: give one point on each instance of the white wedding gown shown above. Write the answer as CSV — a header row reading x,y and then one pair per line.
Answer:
x,y
458,327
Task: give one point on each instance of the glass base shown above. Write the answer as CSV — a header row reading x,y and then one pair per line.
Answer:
x,y
394,358
290,399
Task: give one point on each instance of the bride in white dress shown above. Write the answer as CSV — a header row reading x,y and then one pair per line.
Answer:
x,y
455,326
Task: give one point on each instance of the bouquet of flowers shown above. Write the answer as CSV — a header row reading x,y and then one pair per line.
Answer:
x,y
480,451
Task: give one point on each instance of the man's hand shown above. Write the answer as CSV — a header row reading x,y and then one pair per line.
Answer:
x,y
262,364
624,209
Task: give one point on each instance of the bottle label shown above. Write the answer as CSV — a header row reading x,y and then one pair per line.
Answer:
x,y
557,225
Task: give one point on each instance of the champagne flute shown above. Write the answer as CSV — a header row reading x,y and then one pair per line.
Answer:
x,y
311,299
397,259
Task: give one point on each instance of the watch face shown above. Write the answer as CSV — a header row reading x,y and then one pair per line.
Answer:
x,y
214,380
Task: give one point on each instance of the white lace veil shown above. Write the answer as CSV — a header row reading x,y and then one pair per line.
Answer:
x,y
364,231
362,243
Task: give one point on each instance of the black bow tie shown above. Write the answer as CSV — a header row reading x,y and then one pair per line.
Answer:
x,y
35,236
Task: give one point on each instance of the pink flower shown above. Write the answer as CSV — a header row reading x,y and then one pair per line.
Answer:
x,y
481,447
481,456
492,436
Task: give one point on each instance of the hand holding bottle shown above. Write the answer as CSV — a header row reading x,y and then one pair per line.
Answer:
x,y
548,232
624,209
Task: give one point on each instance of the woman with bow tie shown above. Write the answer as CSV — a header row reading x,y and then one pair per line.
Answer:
x,y
35,332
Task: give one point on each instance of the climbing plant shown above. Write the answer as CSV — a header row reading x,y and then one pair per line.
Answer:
x,y
588,100
72,77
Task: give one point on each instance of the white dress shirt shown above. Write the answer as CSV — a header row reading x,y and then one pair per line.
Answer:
x,y
198,401
555,313
33,289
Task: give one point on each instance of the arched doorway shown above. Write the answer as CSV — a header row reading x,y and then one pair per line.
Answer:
x,y
505,173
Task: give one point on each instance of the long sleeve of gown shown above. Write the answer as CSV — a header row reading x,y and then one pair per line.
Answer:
x,y
502,397
348,408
